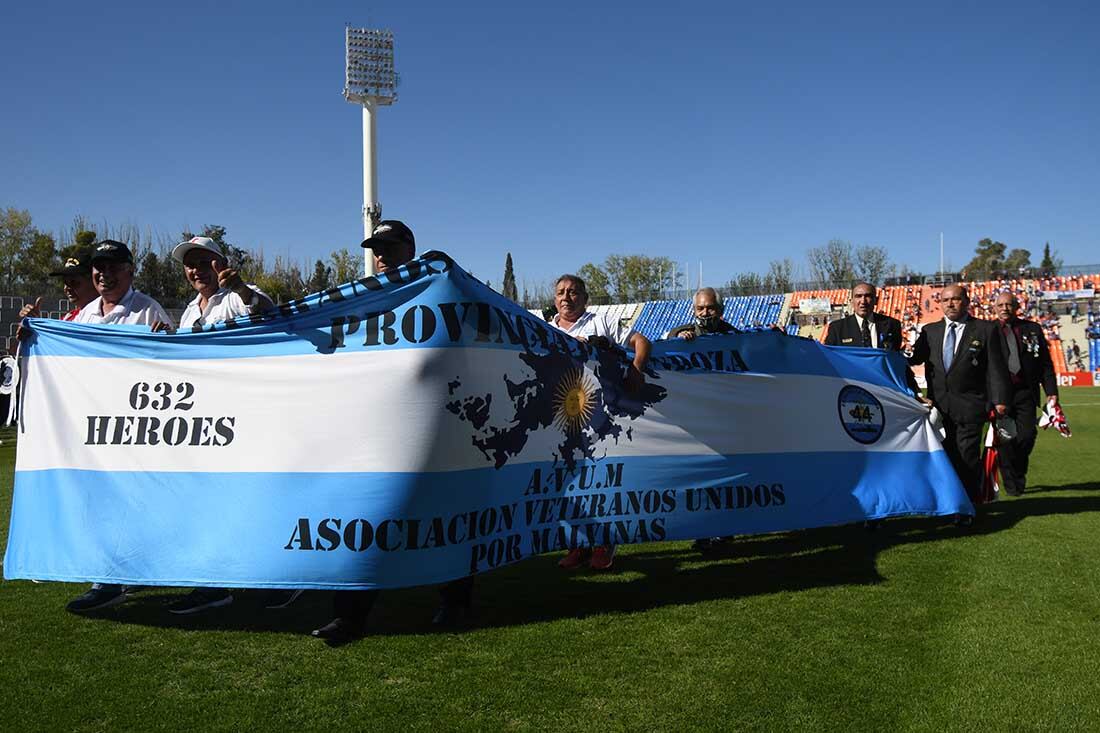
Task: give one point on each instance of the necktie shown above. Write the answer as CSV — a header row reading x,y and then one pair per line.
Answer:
x,y
1013,350
866,333
949,347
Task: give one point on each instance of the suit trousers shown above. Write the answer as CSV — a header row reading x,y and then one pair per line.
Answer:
x,y
1016,454
355,605
963,446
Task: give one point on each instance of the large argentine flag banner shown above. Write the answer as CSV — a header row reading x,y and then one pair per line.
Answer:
x,y
416,427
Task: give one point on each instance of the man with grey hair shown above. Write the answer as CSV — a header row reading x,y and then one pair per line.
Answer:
x,y
1029,365
602,331
708,308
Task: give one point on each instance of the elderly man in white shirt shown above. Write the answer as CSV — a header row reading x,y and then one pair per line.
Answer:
x,y
571,300
222,294
118,302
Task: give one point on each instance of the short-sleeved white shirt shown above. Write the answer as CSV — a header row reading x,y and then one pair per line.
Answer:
x,y
221,306
135,308
593,323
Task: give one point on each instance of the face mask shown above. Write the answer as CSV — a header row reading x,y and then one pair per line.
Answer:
x,y
706,322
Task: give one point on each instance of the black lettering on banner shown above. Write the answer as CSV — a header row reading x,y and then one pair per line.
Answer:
x,y
409,323
301,535
329,531
151,430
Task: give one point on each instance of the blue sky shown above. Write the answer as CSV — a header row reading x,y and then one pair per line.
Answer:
x,y
728,133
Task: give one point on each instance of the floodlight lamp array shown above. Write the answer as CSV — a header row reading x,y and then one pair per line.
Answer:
x,y
370,72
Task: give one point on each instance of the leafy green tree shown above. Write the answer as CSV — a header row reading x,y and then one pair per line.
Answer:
x,y
638,277
989,258
162,279
320,280
17,234
1017,261
345,266
35,263
283,282
1051,262
509,288
596,281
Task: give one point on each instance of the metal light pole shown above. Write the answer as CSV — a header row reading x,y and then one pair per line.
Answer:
x,y
371,82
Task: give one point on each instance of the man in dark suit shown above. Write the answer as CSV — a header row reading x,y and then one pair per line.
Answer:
x,y
1029,365
964,365
865,327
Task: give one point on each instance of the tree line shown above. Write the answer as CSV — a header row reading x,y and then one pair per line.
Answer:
x,y
29,254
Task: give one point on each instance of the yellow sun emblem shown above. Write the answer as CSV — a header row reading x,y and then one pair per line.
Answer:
x,y
574,400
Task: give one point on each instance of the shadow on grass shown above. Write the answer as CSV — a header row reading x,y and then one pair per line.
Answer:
x,y
647,577
1041,489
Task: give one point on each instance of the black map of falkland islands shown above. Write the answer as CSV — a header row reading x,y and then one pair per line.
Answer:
x,y
561,394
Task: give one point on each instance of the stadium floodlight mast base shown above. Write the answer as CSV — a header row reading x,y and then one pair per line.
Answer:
x,y
371,82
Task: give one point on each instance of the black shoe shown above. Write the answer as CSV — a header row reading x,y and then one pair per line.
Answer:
x,y
282,597
100,595
449,615
201,599
872,524
964,520
339,631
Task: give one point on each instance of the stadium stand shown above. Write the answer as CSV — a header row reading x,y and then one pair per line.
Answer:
x,y
746,312
1073,315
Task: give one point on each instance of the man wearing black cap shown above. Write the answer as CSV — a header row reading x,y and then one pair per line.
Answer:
x,y
76,281
392,245
118,302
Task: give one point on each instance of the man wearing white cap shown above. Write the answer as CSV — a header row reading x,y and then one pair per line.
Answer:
x,y
222,294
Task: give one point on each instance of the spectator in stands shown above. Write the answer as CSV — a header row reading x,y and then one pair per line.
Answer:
x,y
76,281
118,302
708,309
221,293
864,327
965,369
571,300
1029,365
393,244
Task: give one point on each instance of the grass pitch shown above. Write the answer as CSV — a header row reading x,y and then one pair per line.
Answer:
x,y
919,626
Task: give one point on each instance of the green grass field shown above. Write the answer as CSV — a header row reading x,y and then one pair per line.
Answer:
x,y
919,626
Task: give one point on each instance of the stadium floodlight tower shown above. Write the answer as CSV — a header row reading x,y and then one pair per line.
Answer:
x,y
372,83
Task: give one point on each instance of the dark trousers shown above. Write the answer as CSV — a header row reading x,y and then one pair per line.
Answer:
x,y
963,446
355,605
1016,454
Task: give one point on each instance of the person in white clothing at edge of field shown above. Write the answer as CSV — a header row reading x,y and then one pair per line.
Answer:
x,y
599,329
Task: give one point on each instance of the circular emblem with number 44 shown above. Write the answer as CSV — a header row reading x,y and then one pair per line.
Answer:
x,y
861,414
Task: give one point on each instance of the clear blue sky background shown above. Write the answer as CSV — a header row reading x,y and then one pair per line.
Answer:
x,y
732,133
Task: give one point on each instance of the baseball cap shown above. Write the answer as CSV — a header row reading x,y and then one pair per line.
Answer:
x,y
388,233
79,264
112,251
181,249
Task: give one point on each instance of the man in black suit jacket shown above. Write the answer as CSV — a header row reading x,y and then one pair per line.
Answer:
x,y
1029,365
964,365
865,327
